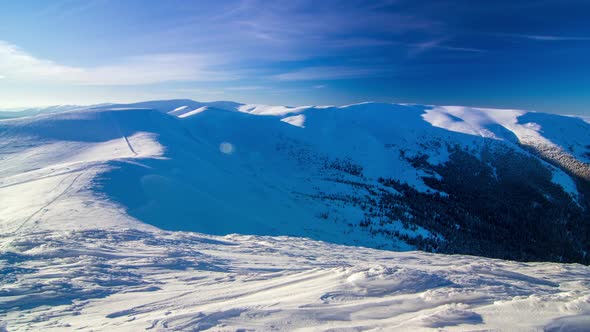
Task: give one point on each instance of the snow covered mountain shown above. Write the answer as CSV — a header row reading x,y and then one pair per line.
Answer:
x,y
495,183
92,200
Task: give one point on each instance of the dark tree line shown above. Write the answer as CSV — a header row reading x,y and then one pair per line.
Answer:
x,y
502,205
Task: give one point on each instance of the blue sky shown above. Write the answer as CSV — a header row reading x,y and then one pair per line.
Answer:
x,y
511,54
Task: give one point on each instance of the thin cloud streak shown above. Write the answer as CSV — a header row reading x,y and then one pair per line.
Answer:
x,y
438,44
248,88
331,73
556,38
548,37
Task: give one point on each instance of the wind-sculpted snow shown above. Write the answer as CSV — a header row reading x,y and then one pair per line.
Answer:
x,y
105,280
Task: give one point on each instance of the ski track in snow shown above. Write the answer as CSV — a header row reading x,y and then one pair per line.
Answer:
x,y
70,259
46,206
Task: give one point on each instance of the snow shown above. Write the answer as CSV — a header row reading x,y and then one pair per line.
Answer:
x,y
85,194
135,280
193,112
271,110
178,111
185,111
568,133
234,162
239,162
295,120
497,124
566,182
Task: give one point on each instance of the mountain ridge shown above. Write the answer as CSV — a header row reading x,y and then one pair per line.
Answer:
x,y
372,174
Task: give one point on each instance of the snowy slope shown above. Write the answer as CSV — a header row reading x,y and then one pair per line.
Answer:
x,y
244,191
85,194
255,169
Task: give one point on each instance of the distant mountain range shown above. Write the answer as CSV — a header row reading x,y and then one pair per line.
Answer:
x,y
498,183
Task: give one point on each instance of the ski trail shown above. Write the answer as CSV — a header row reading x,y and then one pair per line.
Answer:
x,y
48,176
60,195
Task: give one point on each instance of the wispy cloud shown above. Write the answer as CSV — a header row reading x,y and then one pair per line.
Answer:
x,y
438,44
184,92
331,73
65,9
17,64
248,88
539,37
553,38
293,30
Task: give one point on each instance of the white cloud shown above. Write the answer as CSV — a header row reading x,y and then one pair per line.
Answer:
x,y
16,64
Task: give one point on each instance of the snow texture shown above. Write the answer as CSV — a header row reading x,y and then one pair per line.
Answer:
x,y
131,280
